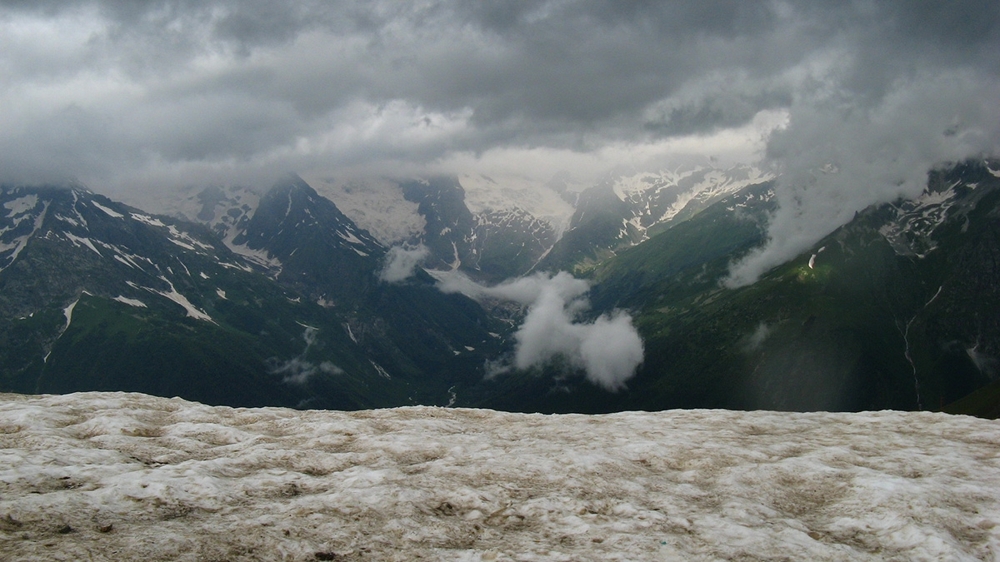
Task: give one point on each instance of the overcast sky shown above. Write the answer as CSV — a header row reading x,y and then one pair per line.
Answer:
x,y
131,95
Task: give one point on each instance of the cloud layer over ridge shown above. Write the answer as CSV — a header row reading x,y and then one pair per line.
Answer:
x,y
131,96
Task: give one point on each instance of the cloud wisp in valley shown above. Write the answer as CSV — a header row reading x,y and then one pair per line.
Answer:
x,y
401,263
608,349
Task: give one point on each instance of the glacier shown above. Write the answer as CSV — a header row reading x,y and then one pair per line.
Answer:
x,y
118,476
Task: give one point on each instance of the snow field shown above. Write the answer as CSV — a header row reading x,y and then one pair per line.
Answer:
x,y
114,476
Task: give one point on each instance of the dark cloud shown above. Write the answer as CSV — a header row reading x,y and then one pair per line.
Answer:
x,y
114,85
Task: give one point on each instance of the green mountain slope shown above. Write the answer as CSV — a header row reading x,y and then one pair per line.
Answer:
x,y
877,320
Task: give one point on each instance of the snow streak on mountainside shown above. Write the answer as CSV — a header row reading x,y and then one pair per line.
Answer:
x,y
102,476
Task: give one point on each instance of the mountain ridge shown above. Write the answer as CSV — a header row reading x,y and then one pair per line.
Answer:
x,y
891,310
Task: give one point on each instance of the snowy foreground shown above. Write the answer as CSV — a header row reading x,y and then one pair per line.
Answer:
x,y
109,476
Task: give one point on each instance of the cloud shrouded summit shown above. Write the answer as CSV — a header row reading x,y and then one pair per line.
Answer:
x,y
132,96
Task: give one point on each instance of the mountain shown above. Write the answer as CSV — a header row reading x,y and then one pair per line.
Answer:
x,y
657,200
599,227
99,295
280,299
626,209
449,224
896,309
495,228
492,245
431,340
96,295
508,243
308,243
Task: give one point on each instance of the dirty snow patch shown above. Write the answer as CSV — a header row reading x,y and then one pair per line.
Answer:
x,y
187,481
184,245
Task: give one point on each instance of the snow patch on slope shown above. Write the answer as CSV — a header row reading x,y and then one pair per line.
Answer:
x,y
131,302
111,213
68,313
147,220
82,241
21,205
260,257
180,299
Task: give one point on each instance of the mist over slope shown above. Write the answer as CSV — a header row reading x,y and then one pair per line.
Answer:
x,y
112,476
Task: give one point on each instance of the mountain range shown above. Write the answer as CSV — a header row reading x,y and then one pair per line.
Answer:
x,y
281,298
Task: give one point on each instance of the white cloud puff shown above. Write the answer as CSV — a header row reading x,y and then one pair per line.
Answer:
x,y
608,349
401,263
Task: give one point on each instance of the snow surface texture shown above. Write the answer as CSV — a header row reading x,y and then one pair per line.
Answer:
x,y
113,476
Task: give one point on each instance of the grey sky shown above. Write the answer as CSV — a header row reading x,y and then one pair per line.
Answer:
x,y
130,95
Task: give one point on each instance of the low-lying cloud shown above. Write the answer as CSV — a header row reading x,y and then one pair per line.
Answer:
x,y
298,370
842,152
608,350
401,263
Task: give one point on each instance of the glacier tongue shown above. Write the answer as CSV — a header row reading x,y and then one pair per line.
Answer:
x,y
114,476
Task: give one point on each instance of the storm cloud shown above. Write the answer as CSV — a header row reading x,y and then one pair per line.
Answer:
x,y
133,96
